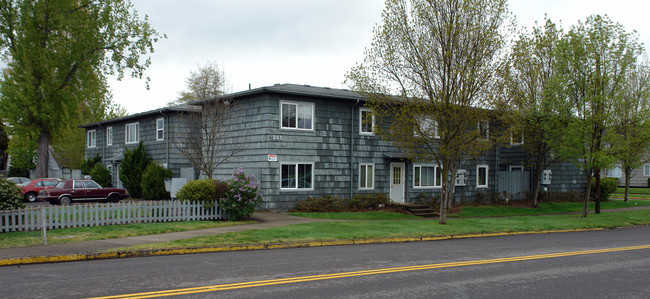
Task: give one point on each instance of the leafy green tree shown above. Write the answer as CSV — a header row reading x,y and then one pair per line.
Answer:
x,y
4,145
22,150
89,164
153,182
427,78
205,83
525,82
631,142
101,175
58,54
131,169
594,61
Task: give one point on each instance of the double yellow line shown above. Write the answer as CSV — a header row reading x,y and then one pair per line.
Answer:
x,y
251,284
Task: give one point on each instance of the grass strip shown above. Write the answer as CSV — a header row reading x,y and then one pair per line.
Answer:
x,y
374,215
545,208
22,239
325,231
633,191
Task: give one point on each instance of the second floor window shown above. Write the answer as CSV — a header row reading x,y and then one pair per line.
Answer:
x,y
91,138
297,116
109,136
160,129
132,133
427,127
484,129
367,121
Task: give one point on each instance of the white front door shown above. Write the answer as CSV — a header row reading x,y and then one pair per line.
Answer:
x,y
397,182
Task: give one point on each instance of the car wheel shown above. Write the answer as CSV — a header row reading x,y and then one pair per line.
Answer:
x,y
65,200
30,197
113,198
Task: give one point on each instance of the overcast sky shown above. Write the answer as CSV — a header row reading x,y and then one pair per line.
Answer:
x,y
314,42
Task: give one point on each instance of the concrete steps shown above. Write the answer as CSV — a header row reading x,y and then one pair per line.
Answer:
x,y
419,210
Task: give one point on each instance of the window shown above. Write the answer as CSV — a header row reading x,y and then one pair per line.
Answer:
x,y
297,176
428,127
516,168
427,176
91,138
109,136
366,121
613,172
160,129
646,170
516,137
132,133
481,176
484,129
366,176
297,116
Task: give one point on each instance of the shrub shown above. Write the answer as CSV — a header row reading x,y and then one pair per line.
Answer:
x,y
607,187
101,175
328,203
198,190
133,165
242,197
10,195
153,182
88,165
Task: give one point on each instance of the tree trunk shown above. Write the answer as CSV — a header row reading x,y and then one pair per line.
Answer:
x,y
586,208
42,154
597,192
628,172
538,179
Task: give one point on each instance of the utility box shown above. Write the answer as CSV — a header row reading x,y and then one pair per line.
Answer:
x,y
461,177
546,177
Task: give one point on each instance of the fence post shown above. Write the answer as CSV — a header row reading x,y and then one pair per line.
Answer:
x,y
43,227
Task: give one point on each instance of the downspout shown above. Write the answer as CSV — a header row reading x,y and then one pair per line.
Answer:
x,y
166,128
352,149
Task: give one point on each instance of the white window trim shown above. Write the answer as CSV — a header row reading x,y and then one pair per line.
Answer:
x,y
487,131
619,175
487,176
436,184
373,176
313,115
109,136
372,128
512,142
313,169
516,167
646,170
422,123
91,142
137,133
160,129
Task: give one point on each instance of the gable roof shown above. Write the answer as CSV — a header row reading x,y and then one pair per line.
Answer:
x,y
288,89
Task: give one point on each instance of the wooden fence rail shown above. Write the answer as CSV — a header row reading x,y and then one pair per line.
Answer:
x,y
101,214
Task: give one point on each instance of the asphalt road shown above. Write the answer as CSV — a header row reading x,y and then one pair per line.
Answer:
x,y
600,264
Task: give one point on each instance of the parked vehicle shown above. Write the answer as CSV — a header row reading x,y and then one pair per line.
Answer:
x,y
19,180
68,191
30,190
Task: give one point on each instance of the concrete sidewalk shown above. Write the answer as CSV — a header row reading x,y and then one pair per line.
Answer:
x,y
264,220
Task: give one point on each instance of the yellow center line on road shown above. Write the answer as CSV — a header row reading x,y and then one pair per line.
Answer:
x,y
260,283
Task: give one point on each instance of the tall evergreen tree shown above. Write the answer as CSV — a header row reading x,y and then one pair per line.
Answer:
x,y
132,167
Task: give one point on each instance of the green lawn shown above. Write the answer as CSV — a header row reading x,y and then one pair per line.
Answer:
x,y
633,191
322,231
22,239
546,208
374,215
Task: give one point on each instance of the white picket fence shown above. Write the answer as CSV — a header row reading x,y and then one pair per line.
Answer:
x,y
100,214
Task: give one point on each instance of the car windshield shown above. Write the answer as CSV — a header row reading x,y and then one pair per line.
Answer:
x,y
60,185
50,183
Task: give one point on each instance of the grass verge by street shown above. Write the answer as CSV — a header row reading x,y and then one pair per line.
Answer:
x,y
22,239
325,231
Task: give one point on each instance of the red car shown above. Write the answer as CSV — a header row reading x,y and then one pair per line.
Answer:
x,y
30,190
68,191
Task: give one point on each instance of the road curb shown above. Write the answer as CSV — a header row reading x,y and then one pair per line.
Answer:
x,y
265,246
